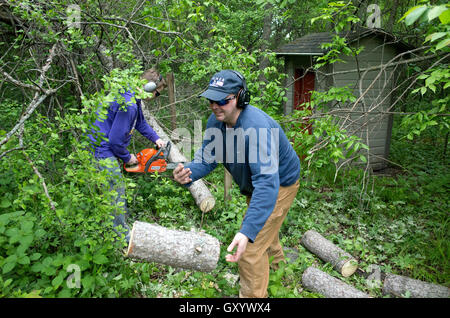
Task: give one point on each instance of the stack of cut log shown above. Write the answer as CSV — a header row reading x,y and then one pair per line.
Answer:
x,y
321,282
331,287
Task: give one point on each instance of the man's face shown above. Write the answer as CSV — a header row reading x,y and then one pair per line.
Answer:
x,y
227,113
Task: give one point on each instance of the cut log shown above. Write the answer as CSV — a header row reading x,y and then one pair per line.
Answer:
x,y
400,286
320,282
342,261
180,249
201,194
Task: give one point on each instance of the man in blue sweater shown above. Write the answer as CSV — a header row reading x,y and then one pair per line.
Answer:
x,y
254,149
113,136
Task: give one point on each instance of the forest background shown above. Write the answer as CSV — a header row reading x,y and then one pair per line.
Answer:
x,y
61,60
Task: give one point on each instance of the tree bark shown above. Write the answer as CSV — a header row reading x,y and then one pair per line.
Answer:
x,y
227,183
266,36
342,261
399,286
171,90
201,194
180,249
320,282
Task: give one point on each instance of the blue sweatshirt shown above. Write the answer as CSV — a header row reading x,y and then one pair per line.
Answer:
x,y
258,155
118,127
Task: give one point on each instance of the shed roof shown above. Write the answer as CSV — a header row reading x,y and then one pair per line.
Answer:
x,y
310,44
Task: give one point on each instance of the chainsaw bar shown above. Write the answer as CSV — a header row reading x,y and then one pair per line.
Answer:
x,y
173,165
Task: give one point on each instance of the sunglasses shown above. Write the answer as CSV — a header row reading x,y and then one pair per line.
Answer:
x,y
221,102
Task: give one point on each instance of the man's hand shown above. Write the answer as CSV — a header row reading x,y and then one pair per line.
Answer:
x,y
160,143
133,161
182,174
240,240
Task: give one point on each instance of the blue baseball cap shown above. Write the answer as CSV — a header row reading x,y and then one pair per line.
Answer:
x,y
222,84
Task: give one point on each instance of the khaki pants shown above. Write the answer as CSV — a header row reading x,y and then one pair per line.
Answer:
x,y
254,263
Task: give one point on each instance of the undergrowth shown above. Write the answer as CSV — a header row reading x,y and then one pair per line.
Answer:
x,y
400,224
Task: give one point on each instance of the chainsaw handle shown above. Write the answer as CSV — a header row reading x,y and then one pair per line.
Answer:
x,y
166,152
157,155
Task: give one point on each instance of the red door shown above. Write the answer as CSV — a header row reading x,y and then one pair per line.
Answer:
x,y
302,92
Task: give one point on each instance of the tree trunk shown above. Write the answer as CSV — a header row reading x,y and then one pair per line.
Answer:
x,y
266,36
227,183
342,261
399,286
179,249
171,90
320,282
201,194
392,16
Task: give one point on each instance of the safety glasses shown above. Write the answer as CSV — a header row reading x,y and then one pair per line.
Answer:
x,y
221,102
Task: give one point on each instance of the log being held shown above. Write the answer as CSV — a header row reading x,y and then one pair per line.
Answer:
x,y
180,249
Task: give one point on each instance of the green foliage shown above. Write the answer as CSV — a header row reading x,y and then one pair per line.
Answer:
x,y
435,81
342,16
328,144
59,243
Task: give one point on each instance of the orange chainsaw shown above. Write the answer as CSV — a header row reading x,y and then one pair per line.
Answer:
x,y
152,160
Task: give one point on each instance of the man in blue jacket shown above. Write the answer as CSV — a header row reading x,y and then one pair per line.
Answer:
x,y
254,149
113,136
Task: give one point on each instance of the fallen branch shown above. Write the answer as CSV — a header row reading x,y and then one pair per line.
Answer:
x,y
33,105
36,171
37,100
202,196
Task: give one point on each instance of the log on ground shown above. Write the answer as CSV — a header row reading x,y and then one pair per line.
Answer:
x,y
401,286
320,282
180,249
201,194
342,261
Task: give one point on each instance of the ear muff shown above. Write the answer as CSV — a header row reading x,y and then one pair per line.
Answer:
x,y
151,86
243,96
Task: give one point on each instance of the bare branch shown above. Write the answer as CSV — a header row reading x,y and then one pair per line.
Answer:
x,y
12,80
136,23
36,171
37,100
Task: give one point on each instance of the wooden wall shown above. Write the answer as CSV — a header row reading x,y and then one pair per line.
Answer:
x,y
366,118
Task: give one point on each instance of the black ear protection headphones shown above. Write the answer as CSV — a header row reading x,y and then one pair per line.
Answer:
x,y
151,85
243,96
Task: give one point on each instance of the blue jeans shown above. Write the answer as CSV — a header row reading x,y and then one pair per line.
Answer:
x,y
117,184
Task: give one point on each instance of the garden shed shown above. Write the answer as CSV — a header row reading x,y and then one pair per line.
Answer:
x,y
372,76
